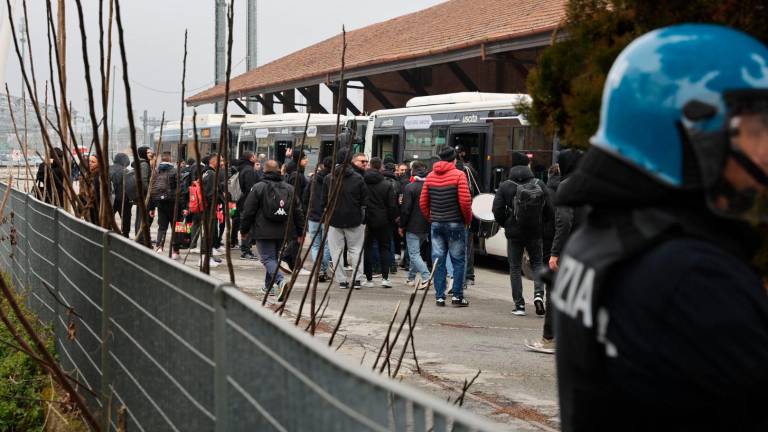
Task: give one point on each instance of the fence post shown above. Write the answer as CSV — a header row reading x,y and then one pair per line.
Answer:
x,y
106,312
220,357
27,249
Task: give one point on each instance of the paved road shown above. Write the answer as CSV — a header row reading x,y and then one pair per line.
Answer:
x,y
516,387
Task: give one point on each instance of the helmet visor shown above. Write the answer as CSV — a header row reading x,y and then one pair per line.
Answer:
x,y
742,191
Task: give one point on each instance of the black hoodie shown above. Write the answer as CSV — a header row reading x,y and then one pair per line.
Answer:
x,y
315,189
503,202
247,178
382,200
411,218
352,201
252,219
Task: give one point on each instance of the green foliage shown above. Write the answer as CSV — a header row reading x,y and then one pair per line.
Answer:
x,y
22,381
567,84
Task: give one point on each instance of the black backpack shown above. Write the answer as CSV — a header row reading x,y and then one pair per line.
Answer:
x,y
276,201
129,185
528,203
161,187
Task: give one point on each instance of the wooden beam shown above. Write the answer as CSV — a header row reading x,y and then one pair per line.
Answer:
x,y
462,76
267,106
411,81
368,85
348,105
242,106
312,94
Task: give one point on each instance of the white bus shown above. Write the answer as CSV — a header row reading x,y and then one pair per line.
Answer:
x,y
272,135
208,135
487,126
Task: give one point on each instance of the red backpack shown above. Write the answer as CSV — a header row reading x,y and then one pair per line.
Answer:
x,y
196,204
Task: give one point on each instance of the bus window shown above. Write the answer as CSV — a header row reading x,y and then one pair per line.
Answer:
x,y
247,146
423,144
280,147
326,147
385,146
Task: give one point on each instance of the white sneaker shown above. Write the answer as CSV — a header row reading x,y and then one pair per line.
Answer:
x,y
195,251
385,283
347,268
397,257
159,250
175,256
423,285
368,284
410,283
304,272
217,252
211,263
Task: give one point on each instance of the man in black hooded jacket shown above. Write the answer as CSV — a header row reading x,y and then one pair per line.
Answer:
x,y
247,177
313,200
122,203
265,228
522,222
380,218
348,217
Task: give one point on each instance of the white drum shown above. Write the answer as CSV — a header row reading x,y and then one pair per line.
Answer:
x,y
482,212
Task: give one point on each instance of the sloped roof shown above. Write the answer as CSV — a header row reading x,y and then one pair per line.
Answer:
x,y
446,27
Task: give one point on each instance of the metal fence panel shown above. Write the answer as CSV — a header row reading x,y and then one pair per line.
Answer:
x,y
78,325
161,352
43,256
290,372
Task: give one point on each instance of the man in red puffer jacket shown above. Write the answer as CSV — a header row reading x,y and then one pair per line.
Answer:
x,y
447,204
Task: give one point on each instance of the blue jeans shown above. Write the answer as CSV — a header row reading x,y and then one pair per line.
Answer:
x,y
414,241
317,227
449,263
268,250
449,239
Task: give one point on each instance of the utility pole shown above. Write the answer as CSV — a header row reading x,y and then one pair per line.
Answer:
x,y
221,38
112,117
252,45
145,119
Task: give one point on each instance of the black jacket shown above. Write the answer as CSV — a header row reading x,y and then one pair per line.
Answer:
x,y
503,203
146,173
315,207
295,177
209,176
247,178
411,218
382,200
352,201
164,182
252,219
679,329
548,218
50,183
394,180
116,174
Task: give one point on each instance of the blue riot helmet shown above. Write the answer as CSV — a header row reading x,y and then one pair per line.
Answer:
x,y
688,106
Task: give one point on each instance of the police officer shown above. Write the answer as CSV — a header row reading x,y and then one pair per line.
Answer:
x,y
662,323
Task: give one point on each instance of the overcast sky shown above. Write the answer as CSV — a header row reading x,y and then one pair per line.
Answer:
x,y
155,35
